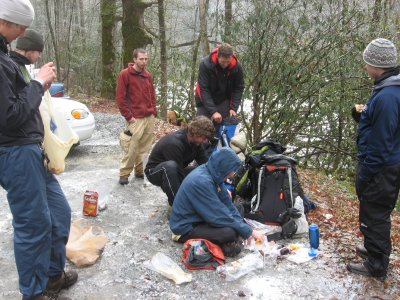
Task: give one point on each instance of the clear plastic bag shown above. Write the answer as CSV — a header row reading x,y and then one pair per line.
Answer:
x,y
164,265
238,268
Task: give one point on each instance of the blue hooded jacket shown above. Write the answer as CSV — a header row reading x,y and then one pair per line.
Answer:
x,y
378,138
203,197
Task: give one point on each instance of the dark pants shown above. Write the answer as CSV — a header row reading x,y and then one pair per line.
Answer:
x,y
41,216
377,201
217,235
168,175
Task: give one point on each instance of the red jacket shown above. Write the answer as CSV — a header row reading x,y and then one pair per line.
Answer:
x,y
135,94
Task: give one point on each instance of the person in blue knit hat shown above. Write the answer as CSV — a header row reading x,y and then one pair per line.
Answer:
x,y
378,170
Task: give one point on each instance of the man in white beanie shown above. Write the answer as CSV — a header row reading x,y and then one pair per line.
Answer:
x,y
378,170
41,213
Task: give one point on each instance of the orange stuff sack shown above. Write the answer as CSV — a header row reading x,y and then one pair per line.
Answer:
x,y
200,254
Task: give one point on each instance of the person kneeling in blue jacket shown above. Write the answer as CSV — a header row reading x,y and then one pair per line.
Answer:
x,y
203,208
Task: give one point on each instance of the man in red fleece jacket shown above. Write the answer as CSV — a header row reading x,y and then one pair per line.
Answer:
x,y
136,101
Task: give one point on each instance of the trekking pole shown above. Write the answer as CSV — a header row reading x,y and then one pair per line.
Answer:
x,y
224,138
289,171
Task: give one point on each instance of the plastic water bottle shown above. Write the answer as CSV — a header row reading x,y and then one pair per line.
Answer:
x,y
313,233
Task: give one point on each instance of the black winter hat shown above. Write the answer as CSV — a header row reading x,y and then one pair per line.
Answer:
x,y
31,41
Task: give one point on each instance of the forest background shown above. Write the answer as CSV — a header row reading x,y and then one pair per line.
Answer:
x,y
302,60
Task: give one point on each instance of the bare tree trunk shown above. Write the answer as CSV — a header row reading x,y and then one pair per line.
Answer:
x,y
205,46
341,109
163,61
228,21
82,21
376,16
133,33
108,11
53,37
193,77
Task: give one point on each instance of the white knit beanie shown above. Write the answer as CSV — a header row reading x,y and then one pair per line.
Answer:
x,y
381,53
17,11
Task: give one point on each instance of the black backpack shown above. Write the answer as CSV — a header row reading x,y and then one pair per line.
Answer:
x,y
268,184
275,183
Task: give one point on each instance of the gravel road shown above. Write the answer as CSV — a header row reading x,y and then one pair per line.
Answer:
x,y
137,228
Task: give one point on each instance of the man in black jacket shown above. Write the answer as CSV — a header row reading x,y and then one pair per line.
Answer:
x,y
169,160
220,85
41,213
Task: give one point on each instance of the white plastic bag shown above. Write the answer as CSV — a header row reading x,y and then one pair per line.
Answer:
x,y
58,136
302,224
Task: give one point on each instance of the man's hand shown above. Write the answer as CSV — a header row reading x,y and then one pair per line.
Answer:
x,y
216,117
132,120
47,74
359,107
232,113
257,236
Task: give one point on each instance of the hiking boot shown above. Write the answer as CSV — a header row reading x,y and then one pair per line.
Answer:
x,y
231,249
123,180
358,268
140,176
361,269
63,281
361,251
53,297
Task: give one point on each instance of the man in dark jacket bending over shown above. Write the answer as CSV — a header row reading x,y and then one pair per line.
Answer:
x,y
220,85
169,160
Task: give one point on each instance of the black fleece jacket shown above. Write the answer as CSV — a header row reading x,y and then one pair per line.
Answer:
x,y
20,121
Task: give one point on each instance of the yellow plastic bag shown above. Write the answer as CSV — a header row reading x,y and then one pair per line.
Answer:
x,y
58,142
85,243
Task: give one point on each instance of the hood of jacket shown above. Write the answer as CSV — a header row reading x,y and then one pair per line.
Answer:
x,y
213,60
390,81
19,58
132,70
221,163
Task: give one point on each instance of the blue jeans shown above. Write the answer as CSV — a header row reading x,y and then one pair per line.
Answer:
x,y
41,216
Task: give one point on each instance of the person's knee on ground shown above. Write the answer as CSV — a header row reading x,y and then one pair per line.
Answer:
x,y
171,179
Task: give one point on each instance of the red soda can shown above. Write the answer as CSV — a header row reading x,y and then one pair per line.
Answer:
x,y
90,203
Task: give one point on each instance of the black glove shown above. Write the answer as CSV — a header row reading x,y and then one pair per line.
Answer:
x,y
289,229
294,213
283,217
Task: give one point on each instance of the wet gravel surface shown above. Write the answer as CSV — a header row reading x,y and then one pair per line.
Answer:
x,y
137,228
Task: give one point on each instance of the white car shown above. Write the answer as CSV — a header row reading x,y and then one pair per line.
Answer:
x,y
78,116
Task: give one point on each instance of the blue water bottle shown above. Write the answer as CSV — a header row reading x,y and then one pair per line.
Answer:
x,y
313,233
